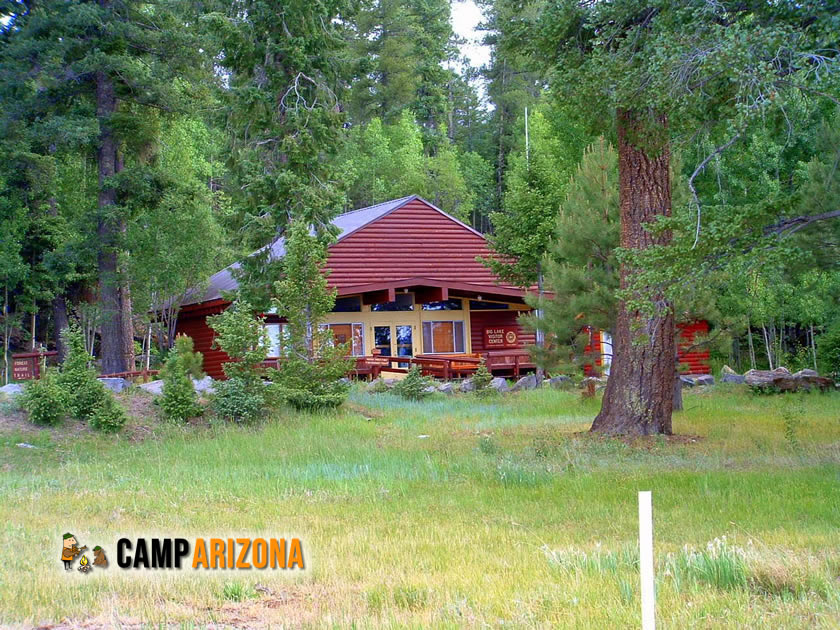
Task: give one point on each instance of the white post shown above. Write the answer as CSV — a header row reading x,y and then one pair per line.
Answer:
x,y
646,560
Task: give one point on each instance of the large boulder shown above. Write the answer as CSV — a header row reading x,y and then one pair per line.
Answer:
x,y
704,379
782,380
733,378
500,385
526,382
155,388
467,385
446,388
11,390
204,385
686,381
116,385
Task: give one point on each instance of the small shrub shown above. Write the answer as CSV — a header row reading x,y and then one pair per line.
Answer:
x,y
44,399
179,400
486,445
482,379
828,351
108,416
414,386
309,386
237,592
85,394
240,399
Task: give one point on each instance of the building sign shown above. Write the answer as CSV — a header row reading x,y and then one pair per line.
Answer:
x,y
501,337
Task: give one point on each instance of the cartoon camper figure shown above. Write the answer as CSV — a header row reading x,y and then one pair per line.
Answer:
x,y
70,551
99,558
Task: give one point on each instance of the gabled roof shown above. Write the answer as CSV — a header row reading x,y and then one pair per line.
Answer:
x,y
347,223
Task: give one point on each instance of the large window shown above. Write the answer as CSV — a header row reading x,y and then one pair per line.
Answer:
x,y
443,337
352,304
353,334
477,305
404,302
277,336
445,305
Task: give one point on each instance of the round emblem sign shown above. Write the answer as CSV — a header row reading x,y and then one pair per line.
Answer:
x,y
510,337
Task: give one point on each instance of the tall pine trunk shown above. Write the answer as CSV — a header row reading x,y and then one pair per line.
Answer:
x,y
117,350
639,397
60,322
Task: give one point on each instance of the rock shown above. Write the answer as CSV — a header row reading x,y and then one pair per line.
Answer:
x,y
782,380
559,381
686,381
727,370
376,385
155,388
204,385
116,385
500,385
759,378
446,388
345,381
704,379
390,382
526,382
11,390
732,378
431,389
467,385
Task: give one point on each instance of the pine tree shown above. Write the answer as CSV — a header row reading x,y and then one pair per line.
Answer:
x,y
312,366
85,77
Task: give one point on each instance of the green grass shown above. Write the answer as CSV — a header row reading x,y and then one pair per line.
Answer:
x,y
447,512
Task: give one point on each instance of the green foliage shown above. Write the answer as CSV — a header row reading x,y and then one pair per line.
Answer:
x,y
108,417
179,400
581,267
414,386
45,399
241,335
85,393
240,399
535,188
312,365
828,345
388,161
482,379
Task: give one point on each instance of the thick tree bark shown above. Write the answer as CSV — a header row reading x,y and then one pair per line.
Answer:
x,y
117,349
639,396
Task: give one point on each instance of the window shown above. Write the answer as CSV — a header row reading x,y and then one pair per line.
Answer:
x,y
351,304
404,302
277,335
446,305
476,305
443,337
352,334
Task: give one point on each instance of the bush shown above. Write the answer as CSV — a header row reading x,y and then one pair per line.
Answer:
x,y
482,379
828,351
414,386
85,393
109,416
45,399
179,400
308,386
240,399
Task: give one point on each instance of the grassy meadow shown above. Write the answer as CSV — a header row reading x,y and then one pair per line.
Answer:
x,y
445,513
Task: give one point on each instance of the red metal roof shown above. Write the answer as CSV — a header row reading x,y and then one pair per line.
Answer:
x,y
400,240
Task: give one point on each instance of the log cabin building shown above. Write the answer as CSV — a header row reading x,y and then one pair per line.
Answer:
x,y
408,285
